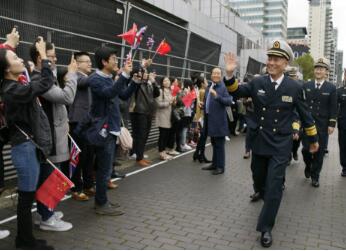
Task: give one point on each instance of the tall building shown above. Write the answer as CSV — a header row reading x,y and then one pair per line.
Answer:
x,y
269,16
322,37
297,39
339,67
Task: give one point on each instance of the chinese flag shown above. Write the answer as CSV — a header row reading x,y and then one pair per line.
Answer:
x,y
130,35
53,189
188,99
175,90
163,48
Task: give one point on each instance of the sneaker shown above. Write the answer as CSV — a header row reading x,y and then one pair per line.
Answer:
x,y
58,215
107,209
173,153
133,156
186,147
4,234
54,224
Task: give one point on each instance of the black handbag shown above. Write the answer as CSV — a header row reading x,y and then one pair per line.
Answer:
x,y
94,130
177,115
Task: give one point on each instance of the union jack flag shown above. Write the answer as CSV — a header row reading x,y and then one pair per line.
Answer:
x,y
74,157
150,42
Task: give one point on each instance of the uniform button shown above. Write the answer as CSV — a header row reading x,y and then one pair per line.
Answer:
x,y
310,107
274,130
312,101
262,118
261,127
275,120
278,110
263,108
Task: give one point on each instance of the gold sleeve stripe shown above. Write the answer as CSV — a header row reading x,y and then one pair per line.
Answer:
x,y
311,131
233,87
296,126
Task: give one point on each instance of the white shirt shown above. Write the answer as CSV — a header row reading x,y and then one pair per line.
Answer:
x,y
278,81
321,83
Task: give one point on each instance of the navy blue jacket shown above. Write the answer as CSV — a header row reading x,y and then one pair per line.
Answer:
x,y
341,92
271,130
105,97
217,117
322,104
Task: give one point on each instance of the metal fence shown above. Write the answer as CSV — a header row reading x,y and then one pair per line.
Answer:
x,y
87,24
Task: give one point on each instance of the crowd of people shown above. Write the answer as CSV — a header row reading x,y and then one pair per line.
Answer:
x,y
275,110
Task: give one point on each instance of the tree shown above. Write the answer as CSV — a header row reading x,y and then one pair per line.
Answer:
x,y
306,63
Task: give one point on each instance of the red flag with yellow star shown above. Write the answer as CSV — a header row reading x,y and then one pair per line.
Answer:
x,y
53,189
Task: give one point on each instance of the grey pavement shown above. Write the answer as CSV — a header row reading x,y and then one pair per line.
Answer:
x,y
177,206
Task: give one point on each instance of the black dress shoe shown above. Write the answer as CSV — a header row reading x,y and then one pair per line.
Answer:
x,y
218,171
315,183
116,163
203,159
266,239
209,168
255,197
295,156
307,172
343,173
117,175
195,155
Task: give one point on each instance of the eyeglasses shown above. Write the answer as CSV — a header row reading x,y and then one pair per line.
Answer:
x,y
84,61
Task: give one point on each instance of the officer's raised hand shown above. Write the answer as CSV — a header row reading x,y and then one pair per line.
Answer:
x,y
230,63
330,130
314,147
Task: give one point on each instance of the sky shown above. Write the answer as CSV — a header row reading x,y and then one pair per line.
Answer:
x,y
298,15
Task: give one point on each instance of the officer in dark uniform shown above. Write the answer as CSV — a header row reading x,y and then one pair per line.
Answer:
x,y
275,98
322,101
293,73
341,95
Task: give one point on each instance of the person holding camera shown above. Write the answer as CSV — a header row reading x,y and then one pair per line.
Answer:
x,y
22,105
54,104
142,110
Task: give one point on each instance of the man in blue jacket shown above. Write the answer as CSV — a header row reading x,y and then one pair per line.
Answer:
x,y
216,100
105,102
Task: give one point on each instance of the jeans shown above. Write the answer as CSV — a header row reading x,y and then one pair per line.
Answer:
x,y
25,161
104,160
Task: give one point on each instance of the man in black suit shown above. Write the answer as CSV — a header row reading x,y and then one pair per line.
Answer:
x,y
322,102
275,98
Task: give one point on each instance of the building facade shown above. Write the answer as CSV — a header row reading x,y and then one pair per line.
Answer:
x,y
269,16
322,37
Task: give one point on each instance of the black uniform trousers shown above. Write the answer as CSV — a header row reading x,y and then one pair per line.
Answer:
x,y
315,161
268,175
342,147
